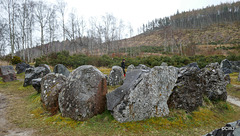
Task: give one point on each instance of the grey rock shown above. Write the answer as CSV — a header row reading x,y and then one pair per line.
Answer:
x,y
144,67
36,83
61,69
21,67
130,68
164,64
51,87
116,76
33,73
235,66
84,94
7,73
144,94
46,67
187,93
230,129
194,64
227,78
226,66
212,82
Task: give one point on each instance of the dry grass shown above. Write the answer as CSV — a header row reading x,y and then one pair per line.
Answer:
x,y
25,111
4,63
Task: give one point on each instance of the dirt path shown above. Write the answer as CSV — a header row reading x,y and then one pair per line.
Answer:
x,y
233,100
7,128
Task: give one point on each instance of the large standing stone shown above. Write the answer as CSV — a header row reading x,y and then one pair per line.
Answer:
x,y
187,93
212,82
116,76
34,73
51,86
84,94
144,94
36,83
226,66
61,69
235,66
7,73
21,67
230,129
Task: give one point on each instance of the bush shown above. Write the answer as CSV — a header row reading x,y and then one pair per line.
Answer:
x,y
16,60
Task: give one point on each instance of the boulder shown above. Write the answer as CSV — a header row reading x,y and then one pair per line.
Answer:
x,y
194,64
84,94
116,76
226,66
46,67
144,94
164,64
7,73
34,73
21,67
230,129
187,93
130,68
212,82
36,83
51,87
61,69
227,78
235,66
144,67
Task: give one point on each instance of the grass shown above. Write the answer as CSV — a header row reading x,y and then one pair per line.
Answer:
x,y
25,111
234,87
234,77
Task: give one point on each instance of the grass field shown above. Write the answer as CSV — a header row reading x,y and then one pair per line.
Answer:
x,y
25,111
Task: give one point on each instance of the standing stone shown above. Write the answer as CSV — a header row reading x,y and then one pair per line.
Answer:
x,y
51,86
144,67
230,129
84,94
130,68
46,67
235,66
36,83
116,76
194,64
7,73
34,73
187,93
213,83
61,69
144,94
21,67
226,66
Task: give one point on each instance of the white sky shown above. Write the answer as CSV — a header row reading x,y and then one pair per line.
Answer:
x,y
136,12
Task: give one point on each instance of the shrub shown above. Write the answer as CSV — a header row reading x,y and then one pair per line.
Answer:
x,y
16,60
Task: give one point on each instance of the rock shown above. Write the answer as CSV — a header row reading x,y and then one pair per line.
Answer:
x,y
227,78
36,83
61,69
239,77
230,129
187,93
51,87
164,64
84,94
212,82
21,67
235,66
34,73
194,64
144,94
7,73
226,66
144,67
130,68
45,66
116,76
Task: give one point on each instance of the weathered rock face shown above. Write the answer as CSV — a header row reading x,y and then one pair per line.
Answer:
x,y
51,87
140,66
61,69
212,82
7,73
84,94
235,66
36,83
21,67
144,94
194,64
187,93
46,67
226,66
230,129
130,68
116,76
33,73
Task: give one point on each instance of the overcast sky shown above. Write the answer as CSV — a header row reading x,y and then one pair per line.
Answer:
x,y
136,12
